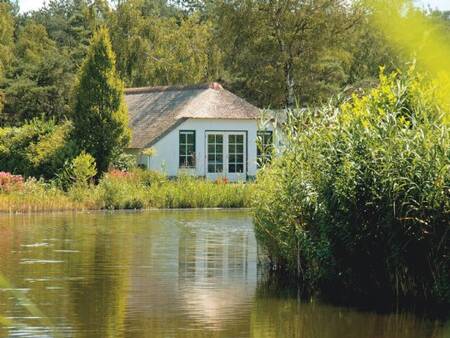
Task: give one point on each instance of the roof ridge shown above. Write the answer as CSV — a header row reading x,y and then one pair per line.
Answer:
x,y
143,90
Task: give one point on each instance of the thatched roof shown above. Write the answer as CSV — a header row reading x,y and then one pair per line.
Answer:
x,y
155,111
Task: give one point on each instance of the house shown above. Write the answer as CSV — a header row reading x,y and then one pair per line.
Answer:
x,y
201,130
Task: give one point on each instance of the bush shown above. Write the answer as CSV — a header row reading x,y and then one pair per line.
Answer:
x,y
79,171
9,182
360,199
38,148
149,178
124,162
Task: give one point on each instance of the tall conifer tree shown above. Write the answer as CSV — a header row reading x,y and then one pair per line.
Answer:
x,y
100,115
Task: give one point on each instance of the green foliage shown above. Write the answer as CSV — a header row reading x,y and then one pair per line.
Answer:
x,y
280,51
146,189
154,49
125,190
360,199
124,162
271,53
6,44
6,37
100,115
38,83
38,195
38,148
79,171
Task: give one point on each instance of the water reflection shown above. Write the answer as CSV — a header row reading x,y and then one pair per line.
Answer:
x,y
193,275
161,274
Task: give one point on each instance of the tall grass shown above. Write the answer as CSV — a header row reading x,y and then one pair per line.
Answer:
x,y
137,189
143,189
37,196
359,203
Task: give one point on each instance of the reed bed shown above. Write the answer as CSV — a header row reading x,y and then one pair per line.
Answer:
x,y
360,200
137,189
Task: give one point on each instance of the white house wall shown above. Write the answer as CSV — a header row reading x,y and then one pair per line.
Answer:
x,y
166,156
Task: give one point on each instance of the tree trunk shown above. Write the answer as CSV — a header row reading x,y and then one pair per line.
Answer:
x,y
290,99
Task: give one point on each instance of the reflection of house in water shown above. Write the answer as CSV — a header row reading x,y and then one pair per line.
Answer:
x,y
209,255
194,277
214,277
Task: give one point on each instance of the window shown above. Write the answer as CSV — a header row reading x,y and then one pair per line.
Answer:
x,y
187,149
236,153
215,153
264,147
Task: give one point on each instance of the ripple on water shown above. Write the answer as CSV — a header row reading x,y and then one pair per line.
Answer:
x,y
164,274
40,261
35,245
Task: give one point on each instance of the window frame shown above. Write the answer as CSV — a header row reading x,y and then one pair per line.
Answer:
x,y
234,153
183,157
216,163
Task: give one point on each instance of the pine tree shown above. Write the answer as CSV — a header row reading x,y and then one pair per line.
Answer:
x,y
100,114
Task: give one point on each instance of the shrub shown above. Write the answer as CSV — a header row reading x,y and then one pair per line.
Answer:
x,y
360,199
124,162
149,177
79,171
9,182
38,148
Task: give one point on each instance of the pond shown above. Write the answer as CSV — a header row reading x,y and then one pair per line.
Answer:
x,y
160,274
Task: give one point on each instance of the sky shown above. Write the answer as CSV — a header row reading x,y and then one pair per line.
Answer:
x,y
28,5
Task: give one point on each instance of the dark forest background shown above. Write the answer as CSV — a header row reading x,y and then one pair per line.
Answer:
x,y
273,53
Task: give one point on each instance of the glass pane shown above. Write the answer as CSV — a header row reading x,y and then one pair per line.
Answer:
x,y
240,158
190,149
182,149
211,138
211,157
211,148
183,161
239,138
219,158
182,138
191,138
232,158
219,168
239,168
239,148
231,168
219,149
232,139
190,161
219,139
211,168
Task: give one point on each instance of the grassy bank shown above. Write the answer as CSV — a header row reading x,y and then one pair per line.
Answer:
x,y
360,200
137,189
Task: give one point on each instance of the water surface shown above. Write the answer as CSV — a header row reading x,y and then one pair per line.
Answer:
x,y
161,274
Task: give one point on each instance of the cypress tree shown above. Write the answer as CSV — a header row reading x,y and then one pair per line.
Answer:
x,y
100,115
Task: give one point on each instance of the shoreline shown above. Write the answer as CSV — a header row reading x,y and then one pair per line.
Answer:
x,y
19,213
